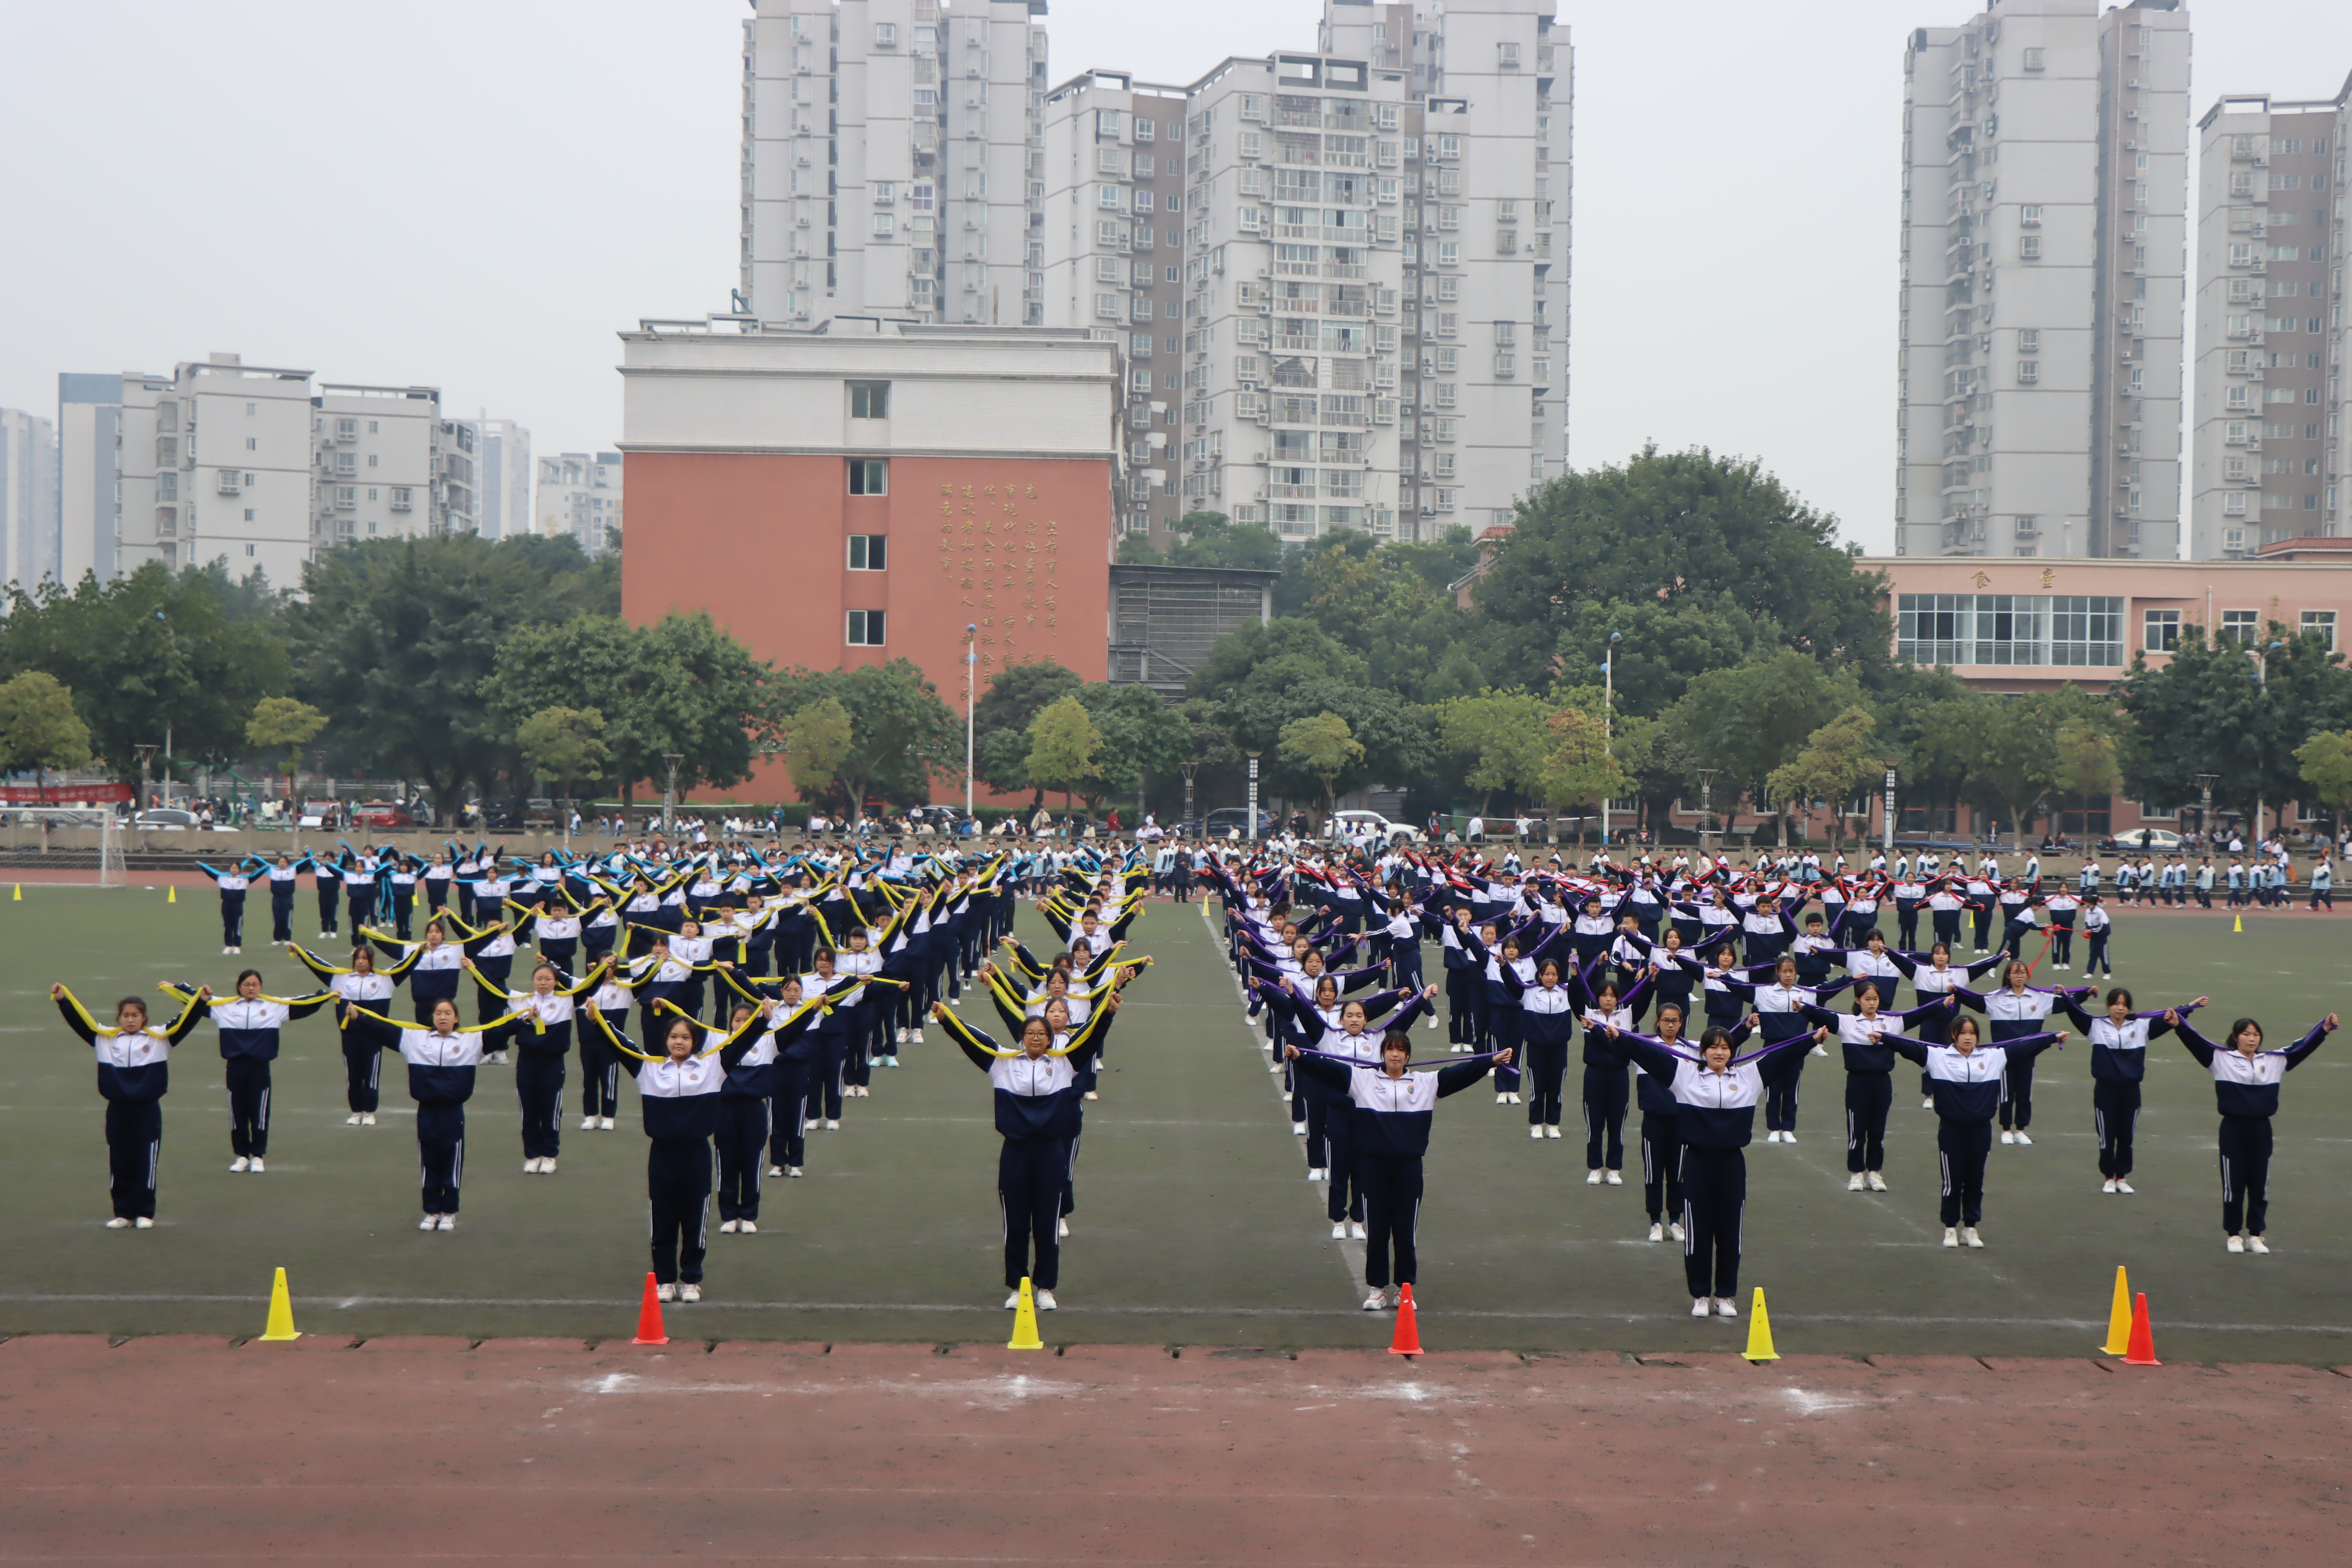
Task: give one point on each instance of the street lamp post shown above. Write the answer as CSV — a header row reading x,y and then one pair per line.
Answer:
x,y
1253,794
1706,810
970,676
669,793
1608,719
146,757
1886,830
2204,808
2263,679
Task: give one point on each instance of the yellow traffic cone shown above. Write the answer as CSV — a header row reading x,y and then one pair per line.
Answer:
x,y
18,896
1759,1331
2238,925
1025,1323
281,1312
2119,1318
170,895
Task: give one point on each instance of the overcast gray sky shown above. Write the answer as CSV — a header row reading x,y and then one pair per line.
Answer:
x,y
478,193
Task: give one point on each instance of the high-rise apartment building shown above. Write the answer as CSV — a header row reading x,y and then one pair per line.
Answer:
x,y
90,503
504,463
888,150
385,459
1338,277
2272,339
2043,298
28,497
580,497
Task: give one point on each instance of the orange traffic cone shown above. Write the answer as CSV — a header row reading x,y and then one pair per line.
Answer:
x,y
1408,1329
649,1323
2143,1340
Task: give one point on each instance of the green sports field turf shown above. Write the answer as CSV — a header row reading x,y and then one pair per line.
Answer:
x,y
1194,1223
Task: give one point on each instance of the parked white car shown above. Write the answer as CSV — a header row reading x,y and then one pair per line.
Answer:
x,y
1356,825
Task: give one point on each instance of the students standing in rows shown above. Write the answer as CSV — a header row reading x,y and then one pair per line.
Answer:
x,y
441,1063
1662,1143
2013,1011
2246,1080
1968,1080
249,1026
134,1072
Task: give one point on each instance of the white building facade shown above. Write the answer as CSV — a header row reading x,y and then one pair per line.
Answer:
x,y
503,463
887,154
28,497
2269,463
381,454
2044,286
580,498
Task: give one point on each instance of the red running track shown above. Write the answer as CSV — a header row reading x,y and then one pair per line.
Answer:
x,y
545,1452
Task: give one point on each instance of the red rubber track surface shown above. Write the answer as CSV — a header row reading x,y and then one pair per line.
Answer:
x,y
543,1451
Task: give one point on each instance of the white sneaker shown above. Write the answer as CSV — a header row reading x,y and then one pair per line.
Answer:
x,y
1550,1132
144,1223
1952,1237
1613,1179
1339,1230
1061,1230
791,1169
605,1122
1725,1307
500,1057
2007,1136
1013,1301
1657,1231
2108,1186
914,1037
1702,1305
1536,1134
1046,1302
689,1292
118,1223
367,1118
1593,1178
1090,1093
1789,1135
1773,1135
902,1037
240,1163
727,1227
1502,1098
749,1227
832,1126
1820,1050
2256,1244
1431,1024
2021,1136
2236,1244
530,1166
1515,1098
447,1222
226,951
1927,1102
353,1120
1298,1128
666,1293
257,1167
1877,1183
1969,1234
1674,1229
588,1124
2123,1184
429,1222
1853,1182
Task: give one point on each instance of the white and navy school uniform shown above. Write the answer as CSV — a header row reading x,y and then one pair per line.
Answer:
x,y
1787,1013
400,881
435,881
1945,908
746,1113
1038,1101
2008,1015
283,880
1547,1027
600,1060
2118,1067
1910,894
432,974
134,1071
542,1040
248,1043
1870,1080
441,1073
1715,1116
680,1102
1607,1090
1968,1088
2246,1094
2097,926
327,879
232,885
1390,1118
363,1040
2062,908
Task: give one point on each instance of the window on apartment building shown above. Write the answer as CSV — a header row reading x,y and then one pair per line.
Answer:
x,y
2029,247
870,400
2240,626
870,476
2160,630
885,34
870,551
885,224
866,628
2036,59
248,514
2322,622
2029,372
253,444
2031,216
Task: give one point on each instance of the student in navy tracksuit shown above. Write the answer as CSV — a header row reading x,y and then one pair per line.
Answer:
x,y
363,1041
542,1044
745,1103
1661,1143
441,1060
2246,1093
1391,1109
232,884
1715,1095
248,1026
1782,1011
2118,1065
1037,1091
282,881
134,1069
1967,1079
2013,1010
1546,1025
1933,979
679,1091
329,878
1870,1080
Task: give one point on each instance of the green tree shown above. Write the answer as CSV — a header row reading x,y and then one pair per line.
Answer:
x,y
39,729
1498,740
901,733
1136,550
1264,655
817,740
1837,758
1657,768
1666,644
1247,546
1141,736
1015,696
1671,526
1750,719
153,657
2086,763
2214,708
1395,735
1322,745
1062,742
2326,768
284,723
1580,770
564,744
